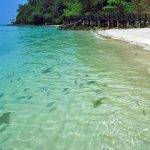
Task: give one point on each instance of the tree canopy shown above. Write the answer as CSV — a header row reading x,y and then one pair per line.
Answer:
x,y
52,11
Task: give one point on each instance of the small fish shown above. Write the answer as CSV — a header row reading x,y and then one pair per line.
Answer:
x,y
26,89
1,107
13,93
43,89
144,113
3,129
76,81
50,104
29,97
66,90
49,69
2,95
48,94
59,74
105,85
21,97
52,109
98,92
91,82
4,119
81,85
24,97
9,76
137,102
86,75
19,79
98,102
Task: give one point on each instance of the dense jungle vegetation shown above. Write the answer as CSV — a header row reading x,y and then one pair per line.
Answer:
x,y
37,12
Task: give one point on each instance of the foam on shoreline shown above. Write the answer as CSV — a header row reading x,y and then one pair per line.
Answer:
x,y
139,36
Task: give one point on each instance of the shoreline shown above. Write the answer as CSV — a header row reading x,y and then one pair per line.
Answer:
x,y
43,25
138,36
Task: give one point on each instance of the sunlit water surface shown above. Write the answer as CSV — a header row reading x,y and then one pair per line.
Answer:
x,y
69,90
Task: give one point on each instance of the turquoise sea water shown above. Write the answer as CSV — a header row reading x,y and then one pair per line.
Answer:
x,y
69,90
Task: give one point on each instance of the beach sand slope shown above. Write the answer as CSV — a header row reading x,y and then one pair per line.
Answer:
x,y
139,36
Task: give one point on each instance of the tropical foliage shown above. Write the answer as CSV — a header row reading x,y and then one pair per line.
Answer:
x,y
52,11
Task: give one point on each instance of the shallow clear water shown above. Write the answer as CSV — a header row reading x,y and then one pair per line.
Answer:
x,y
68,90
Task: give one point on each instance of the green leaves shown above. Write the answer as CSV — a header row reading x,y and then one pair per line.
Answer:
x,y
52,11
72,9
118,6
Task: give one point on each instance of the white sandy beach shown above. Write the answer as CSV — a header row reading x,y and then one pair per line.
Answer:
x,y
139,36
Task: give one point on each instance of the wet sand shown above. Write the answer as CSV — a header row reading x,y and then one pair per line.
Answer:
x,y
139,36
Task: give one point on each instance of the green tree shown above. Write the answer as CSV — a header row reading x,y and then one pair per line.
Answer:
x,y
118,6
52,11
72,9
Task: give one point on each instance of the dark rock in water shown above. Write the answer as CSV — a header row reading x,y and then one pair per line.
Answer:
x,y
2,95
98,102
136,54
74,26
4,119
49,69
91,82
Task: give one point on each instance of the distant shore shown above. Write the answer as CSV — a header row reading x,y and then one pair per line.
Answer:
x,y
139,36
